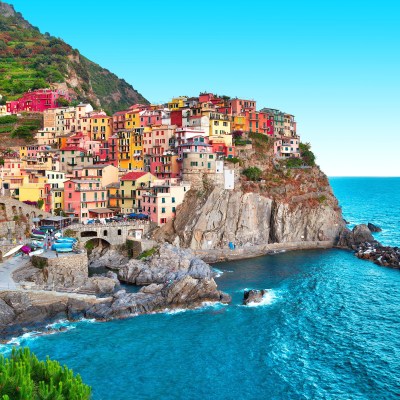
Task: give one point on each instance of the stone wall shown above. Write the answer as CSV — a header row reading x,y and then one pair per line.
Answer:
x,y
14,207
67,270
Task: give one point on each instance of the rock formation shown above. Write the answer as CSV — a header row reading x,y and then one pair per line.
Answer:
x,y
169,263
374,228
308,211
254,296
350,239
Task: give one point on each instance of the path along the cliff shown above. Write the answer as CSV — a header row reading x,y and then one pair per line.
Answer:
x,y
7,269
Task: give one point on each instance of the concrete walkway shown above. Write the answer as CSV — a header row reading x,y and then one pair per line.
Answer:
x,y
6,270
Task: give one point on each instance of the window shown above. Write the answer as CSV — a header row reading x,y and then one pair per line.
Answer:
x,y
163,200
173,209
119,232
163,210
173,199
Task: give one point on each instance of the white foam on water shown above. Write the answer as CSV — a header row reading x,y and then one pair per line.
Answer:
x,y
218,272
267,299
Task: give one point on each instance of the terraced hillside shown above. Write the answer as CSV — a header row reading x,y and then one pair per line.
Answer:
x,y
32,60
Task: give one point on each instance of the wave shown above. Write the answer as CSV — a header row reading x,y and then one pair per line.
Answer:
x,y
217,272
267,299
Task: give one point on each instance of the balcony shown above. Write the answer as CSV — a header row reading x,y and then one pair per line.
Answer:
x,y
72,164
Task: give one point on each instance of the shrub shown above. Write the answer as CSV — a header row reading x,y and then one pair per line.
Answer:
x,y
306,153
258,136
321,199
252,173
23,376
233,160
294,162
8,119
147,253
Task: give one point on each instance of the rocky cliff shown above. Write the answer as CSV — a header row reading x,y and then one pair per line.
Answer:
x,y
284,205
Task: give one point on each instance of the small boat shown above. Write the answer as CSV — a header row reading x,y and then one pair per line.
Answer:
x,y
13,251
64,250
26,249
38,232
64,245
37,237
37,243
36,252
65,240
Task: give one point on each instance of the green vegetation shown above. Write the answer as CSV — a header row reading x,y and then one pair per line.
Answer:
x,y
294,162
147,253
233,160
252,173
8,119
32,60
258,136
40,204
306,154
89,246
322,199
23,376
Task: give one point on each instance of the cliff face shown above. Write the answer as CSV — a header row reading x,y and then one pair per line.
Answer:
x,y
289,205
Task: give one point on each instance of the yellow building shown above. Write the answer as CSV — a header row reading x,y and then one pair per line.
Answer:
x,y
101,127
131,200
32,191
57,199
132,119
177,102
130,149
238,123
114,196
220,124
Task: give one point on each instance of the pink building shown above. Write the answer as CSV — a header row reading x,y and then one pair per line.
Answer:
x,y
36,101
161,203
240,106
85,199
198,144
286,147
158,140
165,166
108,152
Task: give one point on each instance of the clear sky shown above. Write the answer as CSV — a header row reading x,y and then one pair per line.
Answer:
x,y
334,64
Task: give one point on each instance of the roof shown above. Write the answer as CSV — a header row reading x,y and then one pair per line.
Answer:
x,y
55,219
113,185
132,176
101,210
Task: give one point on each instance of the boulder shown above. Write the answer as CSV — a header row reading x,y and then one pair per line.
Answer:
x,y
374,228
254,296
361,234
100,285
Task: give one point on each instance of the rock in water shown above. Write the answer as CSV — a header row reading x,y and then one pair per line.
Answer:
x,y
374,228
362,234
254,296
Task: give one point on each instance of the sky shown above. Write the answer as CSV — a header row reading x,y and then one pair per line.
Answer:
x,y
334,64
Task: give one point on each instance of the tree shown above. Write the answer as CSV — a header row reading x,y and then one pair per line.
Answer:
x,y
40,204
306,154
63,102
23,376
252,173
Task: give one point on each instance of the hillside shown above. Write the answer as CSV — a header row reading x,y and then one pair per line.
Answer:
x,y
32,60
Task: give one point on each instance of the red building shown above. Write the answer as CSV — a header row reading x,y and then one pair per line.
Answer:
x,y
36,101
109,151
176,118
260,122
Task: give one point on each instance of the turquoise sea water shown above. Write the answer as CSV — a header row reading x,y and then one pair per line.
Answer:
x,y
329,330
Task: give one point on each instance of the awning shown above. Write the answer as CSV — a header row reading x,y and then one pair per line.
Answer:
x,y
101,211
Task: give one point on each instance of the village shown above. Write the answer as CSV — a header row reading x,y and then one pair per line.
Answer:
x,y
139,163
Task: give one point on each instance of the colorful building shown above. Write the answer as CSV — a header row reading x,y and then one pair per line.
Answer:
x,y
161,203
131,200
36,101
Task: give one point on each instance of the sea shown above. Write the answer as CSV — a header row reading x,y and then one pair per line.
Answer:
x,y
328,328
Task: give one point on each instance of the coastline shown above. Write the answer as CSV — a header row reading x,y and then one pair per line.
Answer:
x,y
220,255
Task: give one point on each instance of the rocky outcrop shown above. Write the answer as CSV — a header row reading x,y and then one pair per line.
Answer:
x,y
20,311
168,264
384,256
254,296
374,228
248,219
351,239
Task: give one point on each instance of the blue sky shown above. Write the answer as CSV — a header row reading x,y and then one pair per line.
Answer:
x,y
333,64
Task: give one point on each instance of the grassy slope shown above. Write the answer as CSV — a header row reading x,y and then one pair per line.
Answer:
x,y
31,60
